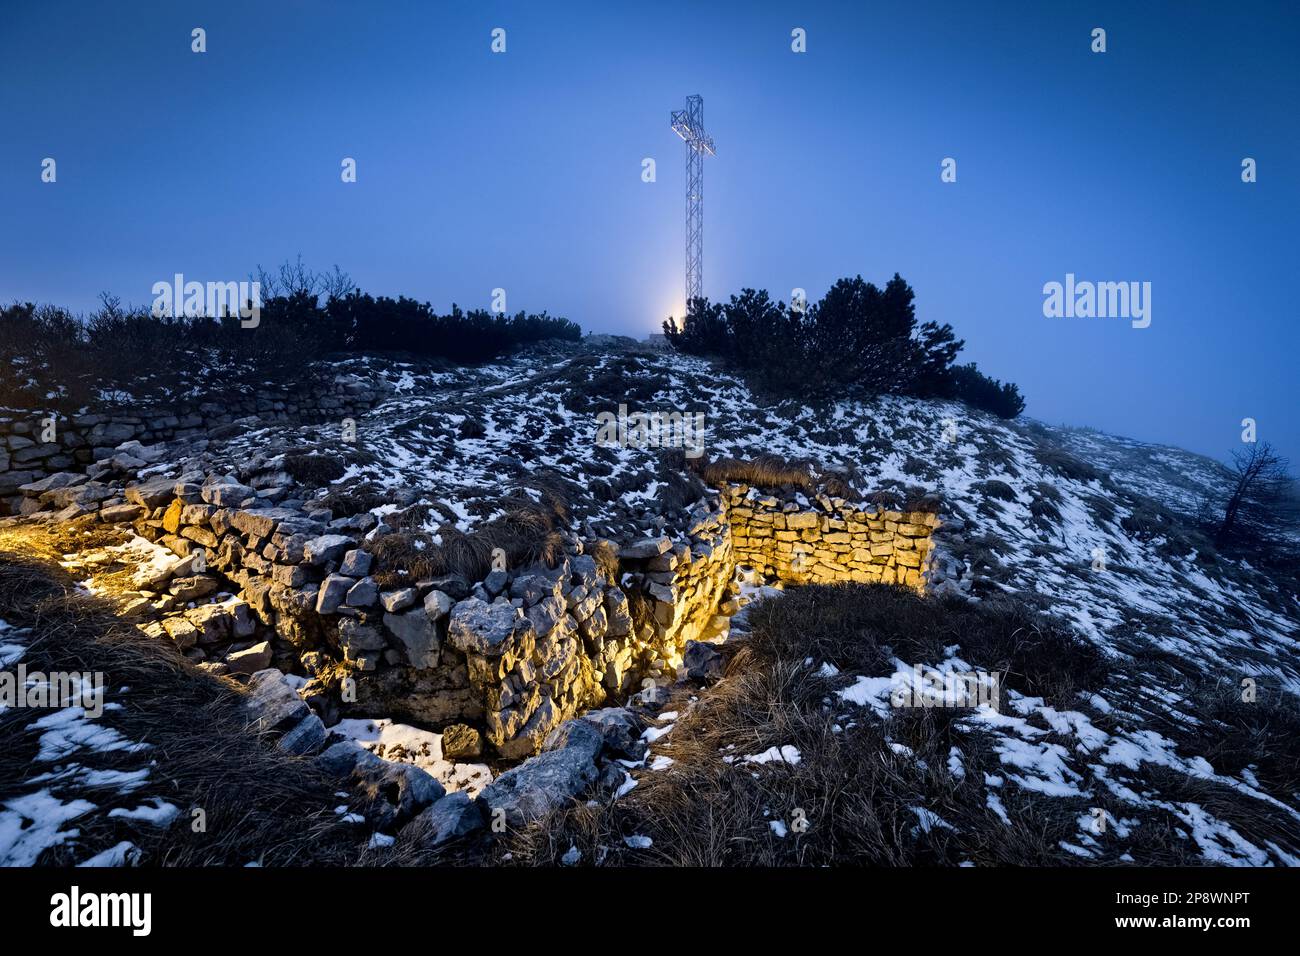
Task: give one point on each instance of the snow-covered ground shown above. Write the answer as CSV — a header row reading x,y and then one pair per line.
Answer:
x,y
64,790
1060,537
406,744
460,439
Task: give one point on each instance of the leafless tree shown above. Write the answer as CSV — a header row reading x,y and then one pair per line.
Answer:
x,y
294,277
1260,484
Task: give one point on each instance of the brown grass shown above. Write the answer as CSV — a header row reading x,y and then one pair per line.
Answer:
x,y
856,794
313,470
528,530
769,472
259,804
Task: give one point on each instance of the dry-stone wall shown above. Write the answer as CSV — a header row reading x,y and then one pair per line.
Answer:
x,y
685,583
91,443
790,538
825,540
247,578
255,584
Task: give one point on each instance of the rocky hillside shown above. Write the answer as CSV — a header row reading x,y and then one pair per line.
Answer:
x,y
426,473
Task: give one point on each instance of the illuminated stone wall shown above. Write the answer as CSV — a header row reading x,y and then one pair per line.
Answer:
x,y
824,540
683,584
256,584
688,584
514,654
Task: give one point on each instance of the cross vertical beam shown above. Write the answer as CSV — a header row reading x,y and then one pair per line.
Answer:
x,y
689,125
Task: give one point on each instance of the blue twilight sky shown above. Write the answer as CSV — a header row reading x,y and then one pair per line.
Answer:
x,y
523,170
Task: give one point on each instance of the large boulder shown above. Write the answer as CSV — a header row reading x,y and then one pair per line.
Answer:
x,y
548,781
274,707
333,590
418,636
455,815
325,548
617,612
481,628
153,493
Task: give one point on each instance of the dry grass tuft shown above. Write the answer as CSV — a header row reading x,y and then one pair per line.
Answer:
x,y
528,528
260,805
859,797
313,470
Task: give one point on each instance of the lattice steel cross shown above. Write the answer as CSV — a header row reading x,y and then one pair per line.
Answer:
x,y
689,125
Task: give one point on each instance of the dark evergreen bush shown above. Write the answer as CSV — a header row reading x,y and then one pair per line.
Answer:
x,y
859,339
296,325
979,391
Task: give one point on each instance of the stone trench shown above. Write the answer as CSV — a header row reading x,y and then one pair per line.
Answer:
x,y
243,586
282,596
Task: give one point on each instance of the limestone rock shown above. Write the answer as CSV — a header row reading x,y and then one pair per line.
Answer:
x,y
357,638
703,662
226,492
537,586
496,582
437,604
356,563
194,587
619,728
180,630
418,635
393,793
541,784
274,707
545,613
250,661
460,742
482,628
153,493
365,593
453,585
119,514
399,600
645,548
325,548
455,815
260,522
333,590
